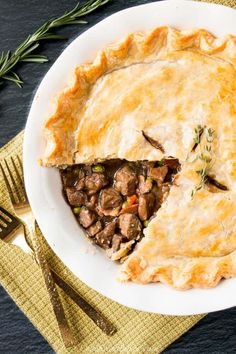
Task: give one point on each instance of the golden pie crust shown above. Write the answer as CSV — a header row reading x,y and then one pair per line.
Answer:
x,y
165,82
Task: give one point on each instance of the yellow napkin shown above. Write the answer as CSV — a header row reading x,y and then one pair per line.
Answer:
x,y
138,332
231,3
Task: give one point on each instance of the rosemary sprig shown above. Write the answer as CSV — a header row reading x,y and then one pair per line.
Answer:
x,y
206,157
24,52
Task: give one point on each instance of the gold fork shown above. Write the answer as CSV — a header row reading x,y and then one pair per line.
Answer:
x,y
104,324
24,213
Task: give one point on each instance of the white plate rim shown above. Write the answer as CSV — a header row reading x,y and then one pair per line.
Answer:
x,y
155,298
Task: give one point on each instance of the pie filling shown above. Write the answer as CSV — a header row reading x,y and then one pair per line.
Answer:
x,y
113,201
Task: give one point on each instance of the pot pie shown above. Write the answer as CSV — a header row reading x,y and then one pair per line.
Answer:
x,y
145,140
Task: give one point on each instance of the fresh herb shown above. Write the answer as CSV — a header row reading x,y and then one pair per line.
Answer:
x,y
198,134
153,142
24,52
172,163
98,168
206,157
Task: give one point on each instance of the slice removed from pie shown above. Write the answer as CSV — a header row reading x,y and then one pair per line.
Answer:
x,y
165,94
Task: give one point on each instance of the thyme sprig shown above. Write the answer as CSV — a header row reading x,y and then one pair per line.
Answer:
x,y
198,133
205,156
25,52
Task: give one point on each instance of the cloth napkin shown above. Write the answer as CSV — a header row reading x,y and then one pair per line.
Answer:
x,y
231,3
137,332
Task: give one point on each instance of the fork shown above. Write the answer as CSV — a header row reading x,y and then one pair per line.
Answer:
x,y
104,324
12,231
24,213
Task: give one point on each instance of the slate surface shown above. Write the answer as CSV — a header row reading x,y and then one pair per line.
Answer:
x,y
216,333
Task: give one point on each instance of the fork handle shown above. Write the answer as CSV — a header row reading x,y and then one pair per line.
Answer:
x,y
65,331
103,323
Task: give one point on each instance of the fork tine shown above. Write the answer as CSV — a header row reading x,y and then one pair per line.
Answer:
x,y
22,173
13,181
20,179
4,220
20,163
16,169
5,212
13,200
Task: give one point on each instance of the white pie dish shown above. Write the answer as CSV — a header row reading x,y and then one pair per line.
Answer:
x,y
43,185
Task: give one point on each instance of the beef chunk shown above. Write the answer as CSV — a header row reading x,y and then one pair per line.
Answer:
x,y
107,219
104,237
75,197
95,228
110,198
131,209
80,184
145,185
172,163
86,217
130,225
92,202
109,212
146,206
126,180
148,164
116,241
95,182
158,173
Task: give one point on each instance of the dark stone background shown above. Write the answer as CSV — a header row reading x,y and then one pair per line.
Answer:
x,y
216,333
